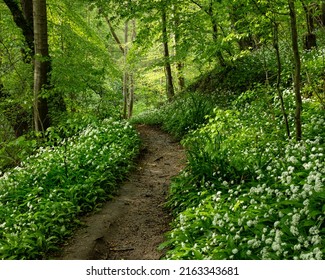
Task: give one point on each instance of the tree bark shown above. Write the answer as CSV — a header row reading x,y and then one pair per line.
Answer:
x,y
297,66
278,83
131,96
128,77
168,69
125,73
131,76
214,24
41,65
179,64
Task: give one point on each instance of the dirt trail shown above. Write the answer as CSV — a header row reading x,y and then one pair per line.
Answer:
x,y
132,225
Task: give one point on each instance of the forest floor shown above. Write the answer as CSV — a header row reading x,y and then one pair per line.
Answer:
x,y
133,224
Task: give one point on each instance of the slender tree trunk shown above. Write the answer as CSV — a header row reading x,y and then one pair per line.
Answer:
x,y
215,34
131,76
168,69
128,77
179,64
27,8
41,65
297,65
125,73
181,78
131,97
278,83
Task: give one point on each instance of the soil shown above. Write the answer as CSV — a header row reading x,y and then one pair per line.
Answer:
x,y
134,223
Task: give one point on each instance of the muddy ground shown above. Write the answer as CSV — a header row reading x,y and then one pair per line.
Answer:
x,y
133,224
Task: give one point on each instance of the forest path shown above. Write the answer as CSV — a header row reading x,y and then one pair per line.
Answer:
x,y
133,224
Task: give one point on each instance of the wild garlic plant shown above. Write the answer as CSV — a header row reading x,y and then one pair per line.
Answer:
x,y
248,192
41,200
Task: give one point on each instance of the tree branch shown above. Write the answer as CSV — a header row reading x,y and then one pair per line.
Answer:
x,y
202,7
117,40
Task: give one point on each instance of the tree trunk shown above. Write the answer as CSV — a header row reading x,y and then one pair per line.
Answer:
x,y
131,97
297,65
209,11
179,64
168,69
131,76
128,77
41,65
27,8
125,73
214,24
278,83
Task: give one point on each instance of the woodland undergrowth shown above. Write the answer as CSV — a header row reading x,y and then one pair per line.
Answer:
x,y
42,199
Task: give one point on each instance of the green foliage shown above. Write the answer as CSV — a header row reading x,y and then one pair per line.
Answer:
x,y
84,78
150,117
41,199
247,193
313,70
68,127
83,72
235,78
14,151
187,112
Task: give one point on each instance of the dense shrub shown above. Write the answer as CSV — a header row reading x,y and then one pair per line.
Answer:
x,y
41,199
